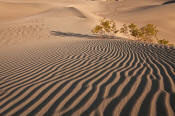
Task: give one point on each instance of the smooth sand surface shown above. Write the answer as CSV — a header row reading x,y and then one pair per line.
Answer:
x,y
51,64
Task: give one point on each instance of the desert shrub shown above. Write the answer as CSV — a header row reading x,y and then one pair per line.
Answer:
x,y
146,33
163,41
149,32
135,31
105,27
124,29
98,29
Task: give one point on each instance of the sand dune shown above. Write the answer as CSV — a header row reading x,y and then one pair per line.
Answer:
x,y
51,64
66,11
18,27
143,12
14,10
86,77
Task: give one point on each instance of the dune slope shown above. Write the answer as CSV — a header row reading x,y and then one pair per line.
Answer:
x,y
52,65
89,77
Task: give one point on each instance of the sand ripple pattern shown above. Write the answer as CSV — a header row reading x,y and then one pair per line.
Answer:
x,y
89,77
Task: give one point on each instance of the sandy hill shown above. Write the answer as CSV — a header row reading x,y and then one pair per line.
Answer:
x,y
144,12
26,21
21,17
52,65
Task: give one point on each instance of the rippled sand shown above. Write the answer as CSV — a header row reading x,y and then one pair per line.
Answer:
x,y
51,64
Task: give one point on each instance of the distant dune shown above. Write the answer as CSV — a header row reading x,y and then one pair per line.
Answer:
x,y
169,2
52,65
144,12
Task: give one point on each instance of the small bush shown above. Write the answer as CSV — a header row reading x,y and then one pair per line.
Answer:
x,y
163,41
105,27
135,31
146,33
149,32
124,29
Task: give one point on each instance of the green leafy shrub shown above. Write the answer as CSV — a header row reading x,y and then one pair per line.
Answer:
x,y
105,27
163,41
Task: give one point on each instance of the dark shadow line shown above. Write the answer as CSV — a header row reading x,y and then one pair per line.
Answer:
x,y
160,105
112,105
70,34
169,2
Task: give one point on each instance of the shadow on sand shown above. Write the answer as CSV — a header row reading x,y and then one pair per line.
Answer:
x,y
69,34
169,2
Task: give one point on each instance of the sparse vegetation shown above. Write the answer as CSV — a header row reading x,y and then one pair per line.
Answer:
x,y
124,29
105,27
163,41
147,33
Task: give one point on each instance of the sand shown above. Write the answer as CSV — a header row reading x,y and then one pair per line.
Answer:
x,y
142,12
51,64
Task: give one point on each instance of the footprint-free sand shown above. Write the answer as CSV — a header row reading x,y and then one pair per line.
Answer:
x,y
51,63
